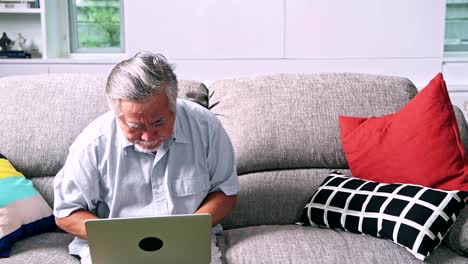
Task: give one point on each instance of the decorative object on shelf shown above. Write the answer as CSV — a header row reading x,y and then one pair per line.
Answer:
x,y
5,42
16,50
32,47
18,43
15,54
19,4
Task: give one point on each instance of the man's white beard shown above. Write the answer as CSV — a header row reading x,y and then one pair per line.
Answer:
x,y
143,146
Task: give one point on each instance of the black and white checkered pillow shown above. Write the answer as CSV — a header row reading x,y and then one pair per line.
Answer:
x,y
412,216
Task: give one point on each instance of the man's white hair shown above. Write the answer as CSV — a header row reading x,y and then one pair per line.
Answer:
x,y
140,77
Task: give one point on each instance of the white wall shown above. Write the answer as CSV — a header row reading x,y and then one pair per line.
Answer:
x,y
206,29
210,40
365,29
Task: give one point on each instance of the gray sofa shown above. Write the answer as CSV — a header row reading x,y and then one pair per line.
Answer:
x,y
285,131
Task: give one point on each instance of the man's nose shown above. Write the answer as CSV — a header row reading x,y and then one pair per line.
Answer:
x,y
149,134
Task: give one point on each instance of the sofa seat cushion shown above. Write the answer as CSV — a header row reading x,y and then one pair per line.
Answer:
x,y
298,244
262,193
50,248
457,238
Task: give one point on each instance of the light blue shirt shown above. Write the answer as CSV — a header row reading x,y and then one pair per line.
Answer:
x,y
106,175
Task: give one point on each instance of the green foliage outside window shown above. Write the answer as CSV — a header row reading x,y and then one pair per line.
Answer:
x,y
98,23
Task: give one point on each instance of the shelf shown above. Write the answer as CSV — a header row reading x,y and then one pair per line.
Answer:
x,y
20,10
72,61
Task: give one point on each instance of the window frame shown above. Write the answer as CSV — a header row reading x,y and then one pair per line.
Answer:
x,y
460,49
73,29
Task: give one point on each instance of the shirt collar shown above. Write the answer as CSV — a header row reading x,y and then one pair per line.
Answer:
x,y
178,134
124,143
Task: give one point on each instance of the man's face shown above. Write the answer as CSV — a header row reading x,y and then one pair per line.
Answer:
x,y
147,124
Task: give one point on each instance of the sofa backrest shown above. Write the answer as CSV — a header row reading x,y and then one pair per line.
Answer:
x,y
287,121
284,128
286,135
41,115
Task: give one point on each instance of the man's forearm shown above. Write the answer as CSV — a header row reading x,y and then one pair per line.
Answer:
x,y
218,205
74,223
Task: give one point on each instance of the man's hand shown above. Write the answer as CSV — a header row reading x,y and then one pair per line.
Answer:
x,y
74,223
218,205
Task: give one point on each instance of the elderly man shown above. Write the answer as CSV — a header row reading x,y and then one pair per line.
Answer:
x,y
151,155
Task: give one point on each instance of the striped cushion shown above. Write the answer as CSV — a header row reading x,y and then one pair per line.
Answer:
x,y
23,211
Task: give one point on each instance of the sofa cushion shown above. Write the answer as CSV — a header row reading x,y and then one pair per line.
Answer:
x,y
274,197
45,186
46,248
51,110
287,121
303,245
420,144
23,211
413,216
462,126
457,238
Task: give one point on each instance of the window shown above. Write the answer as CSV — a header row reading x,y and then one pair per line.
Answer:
x,y
96,26
456,26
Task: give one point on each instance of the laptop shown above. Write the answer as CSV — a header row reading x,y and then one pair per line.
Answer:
x,y
140,240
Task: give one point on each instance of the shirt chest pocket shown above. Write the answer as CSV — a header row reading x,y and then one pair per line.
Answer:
x,y
190,186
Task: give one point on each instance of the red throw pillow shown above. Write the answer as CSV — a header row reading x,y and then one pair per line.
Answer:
x,y
420,144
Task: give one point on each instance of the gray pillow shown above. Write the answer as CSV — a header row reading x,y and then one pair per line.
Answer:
x,y
194,91
457,238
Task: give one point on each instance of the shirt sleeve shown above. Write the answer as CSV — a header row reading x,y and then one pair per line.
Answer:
x,y
76,186
222,162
